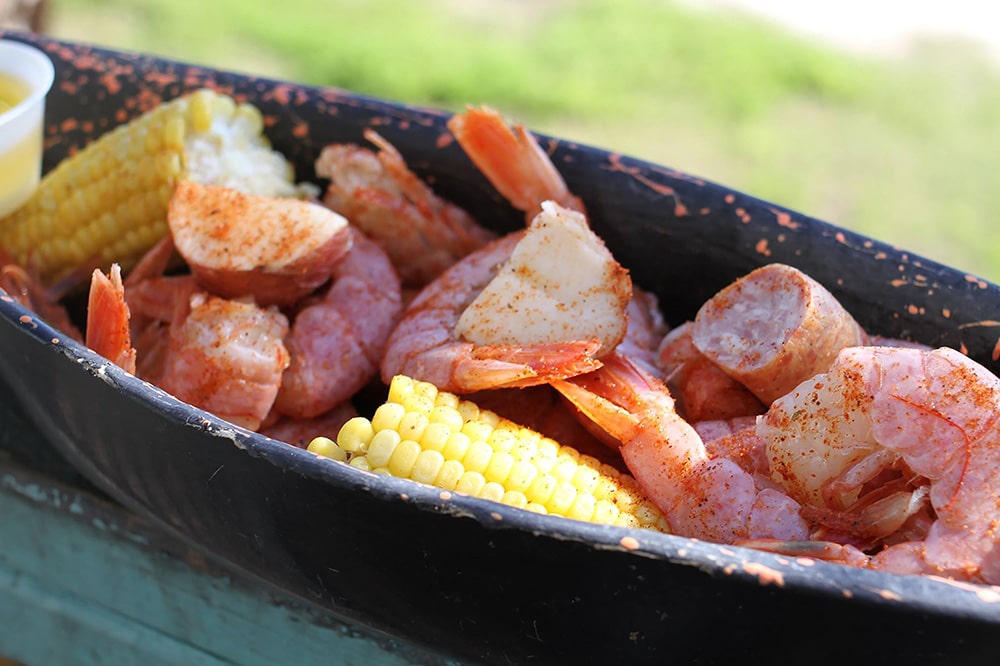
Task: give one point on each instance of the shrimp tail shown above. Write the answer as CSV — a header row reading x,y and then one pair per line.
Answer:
x,y
511,160
108,330
616,422
516,366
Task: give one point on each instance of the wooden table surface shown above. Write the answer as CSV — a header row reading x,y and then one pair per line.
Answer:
x,y
83,581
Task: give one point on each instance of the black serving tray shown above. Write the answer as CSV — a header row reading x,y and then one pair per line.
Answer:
x,y
477,581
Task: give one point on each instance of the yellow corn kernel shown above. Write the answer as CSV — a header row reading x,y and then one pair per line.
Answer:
x,y
355,435
514,498
477,457
605,512
562,498
449,474
491,491
469,411
381,447
541,489
504,440
360,463
456,447
324,446
447,400
425,390
403,458
412,425
435,436
427,466
488,417
471,483
438,439
419,404
535,507
477,430
399,389
582,507
564,469
522,474
499,467
388,416
446,415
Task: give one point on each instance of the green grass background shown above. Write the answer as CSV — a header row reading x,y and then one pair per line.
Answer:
x,y
904,150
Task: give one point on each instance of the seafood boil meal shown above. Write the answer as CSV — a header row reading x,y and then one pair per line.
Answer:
x,y
524,368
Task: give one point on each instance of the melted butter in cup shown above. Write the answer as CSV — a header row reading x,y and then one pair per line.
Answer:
x,y
26,75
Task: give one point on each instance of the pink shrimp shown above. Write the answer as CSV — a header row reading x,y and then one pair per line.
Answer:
x,y
897,446
337,343
713,499
521,171
227,357
224,356
108,331
512,160
540,304
424,344
281,252
736,439
24,286
646,329
422,233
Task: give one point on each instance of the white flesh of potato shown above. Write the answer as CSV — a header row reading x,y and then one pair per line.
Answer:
x,y
560,284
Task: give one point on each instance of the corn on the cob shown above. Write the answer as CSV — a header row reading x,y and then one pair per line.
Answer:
x,y
436,438
108,202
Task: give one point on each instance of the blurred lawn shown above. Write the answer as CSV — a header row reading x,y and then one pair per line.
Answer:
x,y
904,151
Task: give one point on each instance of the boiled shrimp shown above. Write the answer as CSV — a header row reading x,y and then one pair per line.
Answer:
x,y
224,356
108,331
227,357
422,233
897,446
337,343
512,160
533,306
713,499
24,286
521,171
645,331
279,251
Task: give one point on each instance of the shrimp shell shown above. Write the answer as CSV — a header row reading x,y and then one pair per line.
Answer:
x,y
932,416
422,233
336,343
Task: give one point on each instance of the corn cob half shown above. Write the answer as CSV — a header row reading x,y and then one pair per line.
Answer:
x,y
438,439
108,202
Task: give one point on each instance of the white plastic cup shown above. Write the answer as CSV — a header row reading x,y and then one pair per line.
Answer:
x,y
21,125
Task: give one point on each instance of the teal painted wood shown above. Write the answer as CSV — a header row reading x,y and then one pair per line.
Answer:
x,y
83,582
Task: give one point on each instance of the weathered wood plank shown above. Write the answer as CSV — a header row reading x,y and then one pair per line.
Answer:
x,y
84,582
